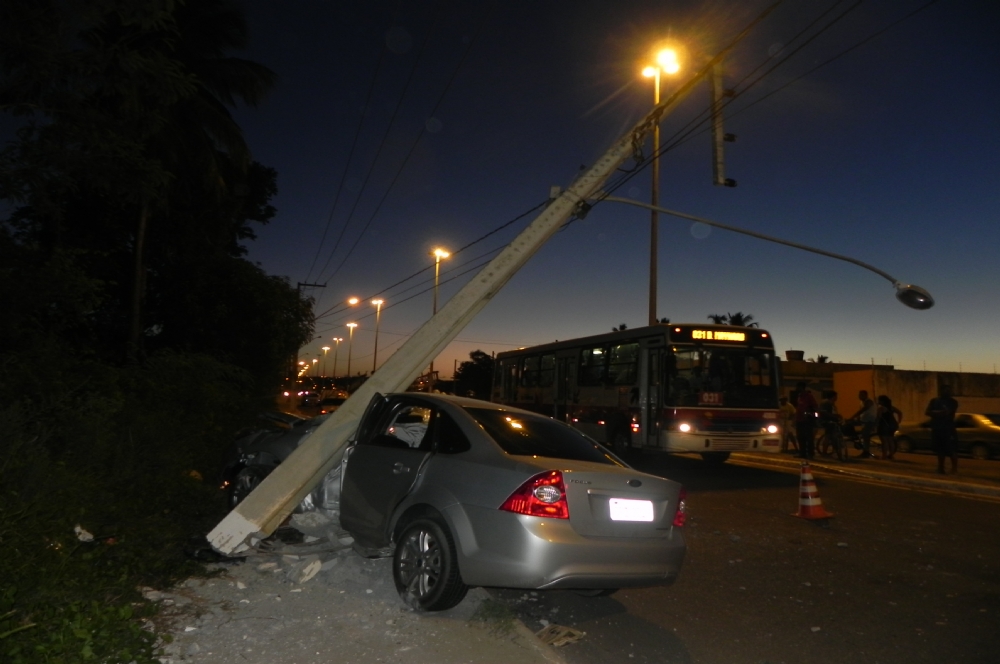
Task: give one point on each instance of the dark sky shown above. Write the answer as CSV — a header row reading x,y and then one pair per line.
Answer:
x,y
397,127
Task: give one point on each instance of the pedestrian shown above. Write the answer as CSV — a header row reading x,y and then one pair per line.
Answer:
x,y
887,425
830,420
867,415
787,413
944,440
805,420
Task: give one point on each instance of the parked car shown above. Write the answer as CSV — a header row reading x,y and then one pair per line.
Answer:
x,y
470,493
978,435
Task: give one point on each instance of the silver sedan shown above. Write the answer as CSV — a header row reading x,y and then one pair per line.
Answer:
x,y
470,493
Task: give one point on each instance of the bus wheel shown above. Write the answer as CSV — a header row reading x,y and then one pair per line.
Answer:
x,y
714,458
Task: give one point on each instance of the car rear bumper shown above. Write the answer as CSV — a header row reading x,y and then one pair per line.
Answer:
x,y
502,549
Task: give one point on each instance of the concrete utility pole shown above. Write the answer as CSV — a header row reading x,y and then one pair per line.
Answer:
x,y
275,498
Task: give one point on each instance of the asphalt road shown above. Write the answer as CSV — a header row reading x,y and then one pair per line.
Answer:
x,y
897,575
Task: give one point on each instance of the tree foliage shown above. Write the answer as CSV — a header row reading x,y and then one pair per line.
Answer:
x,y
739,319
475,377
128,166
126,182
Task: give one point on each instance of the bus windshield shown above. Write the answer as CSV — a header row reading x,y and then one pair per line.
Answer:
x,y
722,377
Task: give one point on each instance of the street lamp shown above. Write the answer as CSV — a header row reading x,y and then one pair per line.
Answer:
x,y
350,346
438,255
666,62
378,316
315,360
911,295
325,348
336,351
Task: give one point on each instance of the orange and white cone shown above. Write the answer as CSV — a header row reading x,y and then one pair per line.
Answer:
x,y
810,506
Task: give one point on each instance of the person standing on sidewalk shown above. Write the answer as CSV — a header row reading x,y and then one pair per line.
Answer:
x,y
944,440
787,413
887,425
866,415
805,420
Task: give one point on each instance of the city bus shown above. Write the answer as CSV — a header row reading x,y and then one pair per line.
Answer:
x,y
704,389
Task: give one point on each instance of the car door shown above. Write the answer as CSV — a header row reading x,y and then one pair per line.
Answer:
x,y
382,467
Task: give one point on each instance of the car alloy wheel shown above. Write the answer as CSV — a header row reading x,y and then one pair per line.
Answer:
x,y
424,567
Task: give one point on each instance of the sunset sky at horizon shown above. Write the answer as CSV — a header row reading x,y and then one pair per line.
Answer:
x,y
887,153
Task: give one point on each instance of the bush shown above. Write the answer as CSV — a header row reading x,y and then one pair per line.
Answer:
x,y
121,452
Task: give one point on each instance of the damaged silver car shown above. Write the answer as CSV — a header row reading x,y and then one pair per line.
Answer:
x,y
470,493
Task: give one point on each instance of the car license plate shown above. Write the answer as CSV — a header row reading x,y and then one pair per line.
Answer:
x,y
623,509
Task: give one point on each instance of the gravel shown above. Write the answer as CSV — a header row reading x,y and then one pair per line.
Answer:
x,y
308,597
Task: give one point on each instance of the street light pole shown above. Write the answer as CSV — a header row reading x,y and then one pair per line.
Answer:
x,y
654,221
666,61
325,349
438,255
378,316
336,351
350,346
911,295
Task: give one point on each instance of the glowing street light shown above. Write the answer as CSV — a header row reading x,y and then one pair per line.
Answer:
x,y
336,351
325,348
350,346
353,301
438,254
378,316
666,63
315,360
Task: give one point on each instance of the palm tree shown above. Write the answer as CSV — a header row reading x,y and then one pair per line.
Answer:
x,y
738,319
199,142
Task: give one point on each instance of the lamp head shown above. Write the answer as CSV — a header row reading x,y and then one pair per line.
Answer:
x,y
914,297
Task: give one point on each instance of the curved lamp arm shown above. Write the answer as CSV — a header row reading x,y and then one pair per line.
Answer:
x,y
912,296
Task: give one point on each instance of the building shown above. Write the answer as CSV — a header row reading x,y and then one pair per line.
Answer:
x,y
910,391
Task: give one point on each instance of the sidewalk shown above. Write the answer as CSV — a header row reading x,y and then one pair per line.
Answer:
x,y
979,479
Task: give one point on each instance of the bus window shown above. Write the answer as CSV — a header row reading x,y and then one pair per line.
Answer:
x,y
529,375
547,371
623,368
593,366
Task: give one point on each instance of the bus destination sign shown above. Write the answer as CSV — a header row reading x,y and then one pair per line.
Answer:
x,y
718,335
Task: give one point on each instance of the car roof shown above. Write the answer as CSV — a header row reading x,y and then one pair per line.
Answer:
x,y
461,402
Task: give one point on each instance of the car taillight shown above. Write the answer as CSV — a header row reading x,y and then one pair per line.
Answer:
x,y
542,495
680,515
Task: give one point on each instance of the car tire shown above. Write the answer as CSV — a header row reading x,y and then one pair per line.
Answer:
x,y
248,479
980,451
425,568
715,458
595,592
904,444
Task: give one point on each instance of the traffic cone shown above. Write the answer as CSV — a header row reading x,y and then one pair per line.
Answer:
x,y
810,506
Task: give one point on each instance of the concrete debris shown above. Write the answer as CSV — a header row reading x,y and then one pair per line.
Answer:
x,y
83,535
305,569
559,635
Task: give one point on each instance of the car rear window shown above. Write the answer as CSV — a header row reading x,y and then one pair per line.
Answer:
x,y
993,417
534,435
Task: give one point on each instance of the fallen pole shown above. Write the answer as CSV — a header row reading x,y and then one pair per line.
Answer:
x,y
275,498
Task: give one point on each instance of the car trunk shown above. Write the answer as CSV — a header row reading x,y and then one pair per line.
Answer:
x,y
620,503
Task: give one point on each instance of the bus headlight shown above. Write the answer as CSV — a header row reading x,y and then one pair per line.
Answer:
x,y
772,428
684,427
